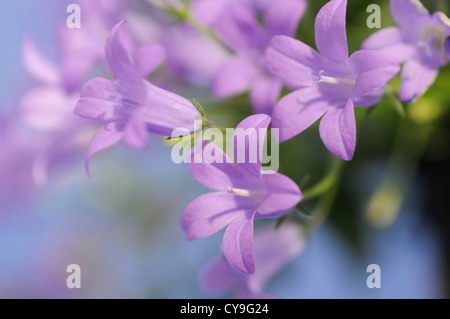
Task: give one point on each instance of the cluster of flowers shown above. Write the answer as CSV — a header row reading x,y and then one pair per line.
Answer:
x,y
225,45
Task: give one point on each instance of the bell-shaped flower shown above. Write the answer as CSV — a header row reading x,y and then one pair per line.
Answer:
x,y
328,83
131,107
422,42
243,193
246,26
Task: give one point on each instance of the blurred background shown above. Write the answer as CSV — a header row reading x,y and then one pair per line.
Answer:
x,y
389,207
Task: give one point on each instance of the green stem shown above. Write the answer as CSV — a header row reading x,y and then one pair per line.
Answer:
x,y
328,181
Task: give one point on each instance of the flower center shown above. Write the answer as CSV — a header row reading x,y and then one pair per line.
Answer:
x,y
320,78
244,192
433,40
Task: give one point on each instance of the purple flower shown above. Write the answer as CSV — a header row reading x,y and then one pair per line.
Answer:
x,y
131,107
236,23
82,48
328,84
274,249
243,194
422,41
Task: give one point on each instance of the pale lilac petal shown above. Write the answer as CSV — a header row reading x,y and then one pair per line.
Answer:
x,y
338,131
407,13
238,27
165,111
292,61
282,195
234,77
248,139
389,41
416,79
193,56
100,100
331,37
217,277
264,94
218,175
135,133
47,108
373,70
148,57
209,213
119,63
282,17
274,249
207,11
106,137
299,110
238,243
37,65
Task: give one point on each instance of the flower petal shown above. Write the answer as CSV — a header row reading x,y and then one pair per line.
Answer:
x,y
416,79
218,176
373,70
282,17
107,136
389,41
37,65
331,37
274,249
234,77
166,111
338,131
218,277
47,108
238,27
100,100
407,13
292,61
264,94
209,213
299,110
238,243
248,139
282,195
119,63
148,57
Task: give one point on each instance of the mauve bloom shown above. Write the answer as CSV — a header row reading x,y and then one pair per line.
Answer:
x,y
244,193
82,48
422,41
236,23
130,107
328,84
274,249
48,109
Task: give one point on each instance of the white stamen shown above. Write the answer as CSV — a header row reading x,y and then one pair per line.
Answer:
x,y
329,79
244,192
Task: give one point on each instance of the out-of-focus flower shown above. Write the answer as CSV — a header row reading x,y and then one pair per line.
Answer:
x,y
48,109
237,25
131,107
17,155
243,194
422,41
273,249
82,48
329,84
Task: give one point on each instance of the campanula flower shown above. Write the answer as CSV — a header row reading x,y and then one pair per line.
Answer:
x,y
243,193
237,25
130,107
422,42
273,249
328,83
